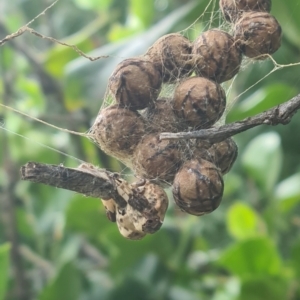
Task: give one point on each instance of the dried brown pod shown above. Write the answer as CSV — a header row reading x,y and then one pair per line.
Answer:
x,y
156,159
144,213
257,33
199,101
110,209
171,55
233,9
198,187
147,207
126,226
117,131
135,83
216,55
222,154
161,117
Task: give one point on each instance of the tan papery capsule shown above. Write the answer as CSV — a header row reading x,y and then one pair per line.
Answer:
x,y
147,207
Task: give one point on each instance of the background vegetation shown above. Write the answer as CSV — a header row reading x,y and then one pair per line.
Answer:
x,y
55,244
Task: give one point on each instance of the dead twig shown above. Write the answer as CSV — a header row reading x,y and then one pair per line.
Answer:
x,y
49,38
86,179
23,29
281,114
26,28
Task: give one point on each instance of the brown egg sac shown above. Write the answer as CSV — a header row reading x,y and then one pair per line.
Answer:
x,y
216,56
156,159
257,33
199,101
222,154
135,83
233,9
171,55
117,131
198,187
161,117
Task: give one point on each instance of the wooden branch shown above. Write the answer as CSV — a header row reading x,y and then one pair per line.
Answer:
x,y
86,179
281,114
138,208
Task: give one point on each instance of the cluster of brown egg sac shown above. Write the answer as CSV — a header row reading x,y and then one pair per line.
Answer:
x,y
129,129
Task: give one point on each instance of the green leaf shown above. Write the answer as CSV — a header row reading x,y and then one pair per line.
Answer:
x,y
144,10
119,32
130,288
295,257
65,286
25,228
262,160
262,288
4,269
234,183
287,192
33,99
93,4
261,100
86,215
159,244
57,57
287,14
256,256
179,293
242,221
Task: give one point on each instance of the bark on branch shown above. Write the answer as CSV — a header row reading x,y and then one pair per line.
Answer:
x,y
86,179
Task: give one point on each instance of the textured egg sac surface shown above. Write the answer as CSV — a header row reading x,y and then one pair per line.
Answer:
x,y
162,118
222,154
156,159
117,131
233,9
216,56
257,33
135,83
171,55
198,187
199,101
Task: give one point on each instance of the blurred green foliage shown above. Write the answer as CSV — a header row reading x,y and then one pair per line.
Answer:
x,y
249,248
